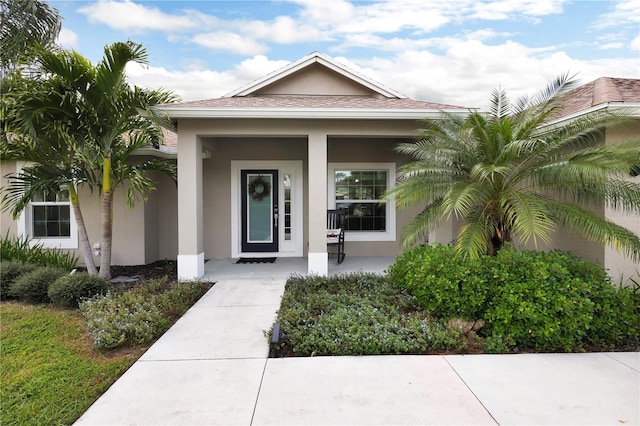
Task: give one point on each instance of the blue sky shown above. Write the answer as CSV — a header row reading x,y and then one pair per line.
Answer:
x,y
453,52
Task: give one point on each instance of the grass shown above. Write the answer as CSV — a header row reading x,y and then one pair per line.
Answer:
x,y
49,372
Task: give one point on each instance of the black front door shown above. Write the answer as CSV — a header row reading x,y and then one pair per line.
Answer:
x,y
259,194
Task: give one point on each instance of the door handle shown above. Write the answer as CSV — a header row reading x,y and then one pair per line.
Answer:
x,y
275,219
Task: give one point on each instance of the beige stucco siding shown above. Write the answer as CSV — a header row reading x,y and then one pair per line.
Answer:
x,y
8,226
622,267
316,80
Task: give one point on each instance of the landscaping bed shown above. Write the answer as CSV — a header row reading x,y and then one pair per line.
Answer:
x,y
434,302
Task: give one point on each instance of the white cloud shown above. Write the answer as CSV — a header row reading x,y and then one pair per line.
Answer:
x,y
507,9
224,41
67,39
611,46
326,12
196,83
635,43
624,13
468,70
283,29
135,18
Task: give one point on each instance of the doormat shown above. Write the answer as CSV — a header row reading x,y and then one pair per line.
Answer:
x,y
257,260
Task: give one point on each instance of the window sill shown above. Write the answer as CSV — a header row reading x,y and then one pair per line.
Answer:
x,y
369,236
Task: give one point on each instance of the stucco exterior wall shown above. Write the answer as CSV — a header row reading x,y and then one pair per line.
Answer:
x,y
8,226
316,80
621,267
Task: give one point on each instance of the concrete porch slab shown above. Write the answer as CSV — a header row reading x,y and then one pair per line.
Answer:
x,y
549,389
180,393
365,390
227,269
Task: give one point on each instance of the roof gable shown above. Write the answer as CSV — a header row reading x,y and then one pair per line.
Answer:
x,y
335,78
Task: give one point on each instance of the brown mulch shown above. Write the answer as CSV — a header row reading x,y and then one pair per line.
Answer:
x,y
152,271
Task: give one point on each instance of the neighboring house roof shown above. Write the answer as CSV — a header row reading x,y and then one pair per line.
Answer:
x,y
286,94
603,92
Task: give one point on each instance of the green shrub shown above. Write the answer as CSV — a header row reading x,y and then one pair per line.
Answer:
x,y
537,302
139,315
616,319
22,250
70,290
443,283
355,315
33,286
9,272
545,301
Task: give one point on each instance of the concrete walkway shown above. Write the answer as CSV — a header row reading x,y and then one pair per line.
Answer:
x,y
211,368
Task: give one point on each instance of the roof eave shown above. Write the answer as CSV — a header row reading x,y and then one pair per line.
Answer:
x,y
633,109
311,113
163,151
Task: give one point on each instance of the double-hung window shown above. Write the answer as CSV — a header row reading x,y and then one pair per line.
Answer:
x,y
48,220
358,188
51,214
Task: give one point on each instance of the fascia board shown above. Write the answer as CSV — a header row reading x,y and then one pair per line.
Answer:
x,y
167,152
310,113
632,107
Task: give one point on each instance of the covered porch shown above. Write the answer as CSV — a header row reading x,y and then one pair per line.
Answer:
x,y
225,269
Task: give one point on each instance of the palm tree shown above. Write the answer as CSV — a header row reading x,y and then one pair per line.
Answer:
x,y
25,25
509,173
106,118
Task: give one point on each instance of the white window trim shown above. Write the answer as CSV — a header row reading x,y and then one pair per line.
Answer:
x,y
390,168
25,231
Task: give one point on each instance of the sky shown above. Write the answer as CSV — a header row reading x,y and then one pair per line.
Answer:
x,y
448,51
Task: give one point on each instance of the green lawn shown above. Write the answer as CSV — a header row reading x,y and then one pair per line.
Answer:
x,y
49,373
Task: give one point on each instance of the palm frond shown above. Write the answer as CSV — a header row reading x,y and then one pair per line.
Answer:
x,y
474,237
417,231
596,228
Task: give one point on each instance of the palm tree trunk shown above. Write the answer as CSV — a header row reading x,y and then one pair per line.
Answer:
x,y
107,221
501,236
85,247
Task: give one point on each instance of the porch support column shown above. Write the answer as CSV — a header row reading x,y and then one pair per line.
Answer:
x,y
318,262
190,224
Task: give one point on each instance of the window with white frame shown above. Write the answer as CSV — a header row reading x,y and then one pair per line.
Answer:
x,y
50,214
48,219
358,188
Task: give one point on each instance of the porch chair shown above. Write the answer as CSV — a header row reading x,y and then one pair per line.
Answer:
x,y
335,231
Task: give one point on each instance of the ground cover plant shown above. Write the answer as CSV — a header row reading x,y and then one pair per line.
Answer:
x,y
139,315
355,315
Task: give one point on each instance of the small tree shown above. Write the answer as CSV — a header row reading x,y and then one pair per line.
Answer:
x,y
509,173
